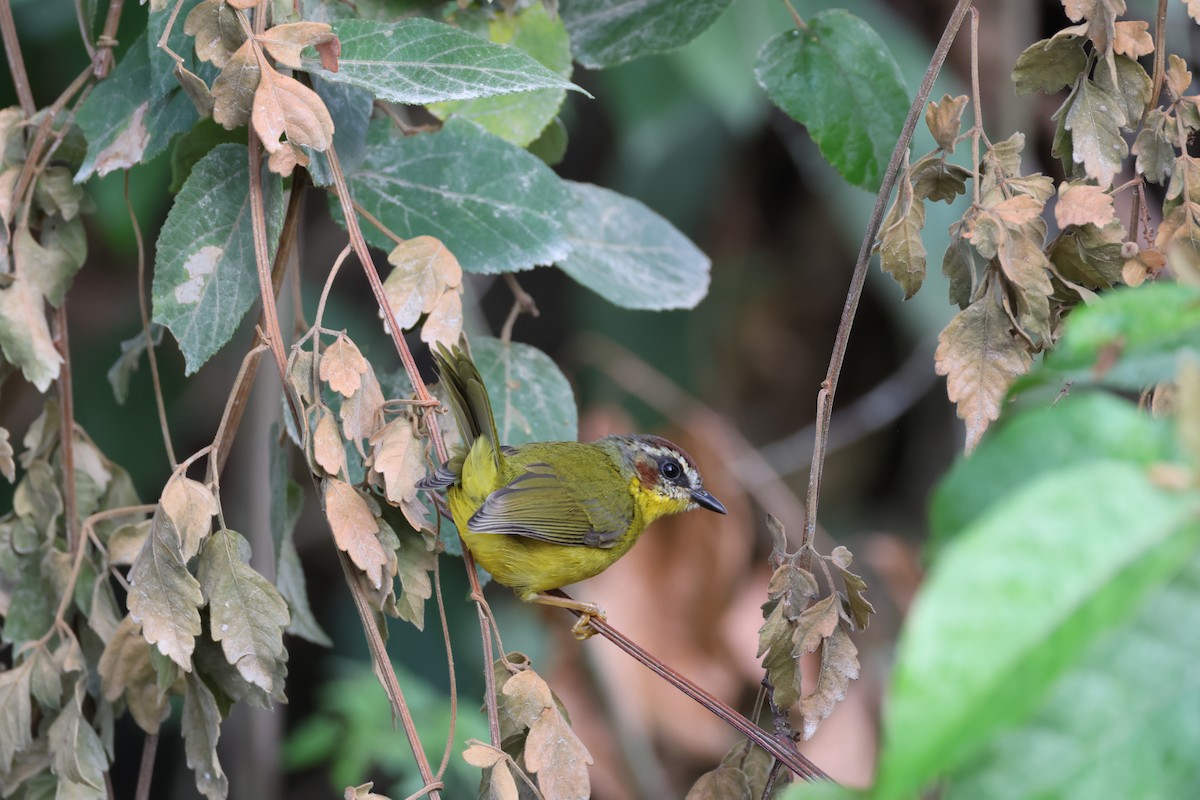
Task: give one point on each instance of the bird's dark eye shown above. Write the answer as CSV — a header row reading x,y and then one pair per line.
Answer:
x,y
671,470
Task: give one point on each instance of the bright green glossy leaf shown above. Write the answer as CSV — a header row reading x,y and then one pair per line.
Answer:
x,y
605,33
629,255
840,81
205,277
1080,428
1128,339
531,398
419,60
1124,721
1015,601
495,206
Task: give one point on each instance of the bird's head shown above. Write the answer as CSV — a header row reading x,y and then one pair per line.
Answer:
x,y
666,476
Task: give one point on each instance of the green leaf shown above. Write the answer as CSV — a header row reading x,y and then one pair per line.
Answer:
x,y
1132,88
1015,601
31,601
1082,427
125,121
75,747
1122,722
629,255
204,273
195,144
1128,339
605,33
164,597
16,731
1049,65
246,613
498,211
419,61
1094,120
840,81
350,109
530,396
132,350
24,333
201,728
520,118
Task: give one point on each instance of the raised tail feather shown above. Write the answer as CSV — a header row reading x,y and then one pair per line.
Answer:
x,y
467,396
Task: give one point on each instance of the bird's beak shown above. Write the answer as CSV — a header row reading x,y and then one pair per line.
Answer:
x,y
706,500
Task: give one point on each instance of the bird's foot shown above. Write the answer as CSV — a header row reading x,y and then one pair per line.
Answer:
x,y
582,629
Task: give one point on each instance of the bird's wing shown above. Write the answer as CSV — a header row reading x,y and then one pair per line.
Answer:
x,y
537,504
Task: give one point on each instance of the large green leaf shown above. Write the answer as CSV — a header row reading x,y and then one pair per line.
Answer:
x,y
1128,339
204,272
1015,601
422,61
1082,427
629,255
520,118
126,119
838,78
495,206
350,109
605,33
1124,721
530,396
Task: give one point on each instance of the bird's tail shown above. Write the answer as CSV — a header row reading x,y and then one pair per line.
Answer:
x,y
467,396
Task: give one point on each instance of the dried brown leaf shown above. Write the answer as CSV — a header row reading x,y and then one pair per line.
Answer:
x,y
196,90
191,507
1178,76
218,32
1027,268
901,252
935,178
1090,256
342,366
839,666
1081,203
25,334
361,412
815,625
284,108
726,782
980,358
1193,9
234,89
126,669
1145,264
775,647
285,42
355,529
498,780
445,322
524,696
423,271
554,753
1132,38
398,458
944,119
329,450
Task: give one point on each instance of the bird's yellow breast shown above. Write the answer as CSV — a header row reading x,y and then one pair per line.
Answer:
x,y
530,565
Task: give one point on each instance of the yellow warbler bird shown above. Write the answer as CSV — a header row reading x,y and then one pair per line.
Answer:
x,y
547,514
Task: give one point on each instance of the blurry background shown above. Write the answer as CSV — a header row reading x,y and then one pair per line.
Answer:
x,y
734,382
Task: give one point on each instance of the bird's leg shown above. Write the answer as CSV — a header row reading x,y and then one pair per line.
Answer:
x,y
587,611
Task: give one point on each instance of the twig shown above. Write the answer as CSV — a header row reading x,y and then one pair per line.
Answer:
x,y
441,607
270,314
159,402
16,63
146,770
66,444
522,303
854,294
102,58
794,761
1160,58
976,106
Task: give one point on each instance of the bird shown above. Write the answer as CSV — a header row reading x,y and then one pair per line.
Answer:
x,y
543,515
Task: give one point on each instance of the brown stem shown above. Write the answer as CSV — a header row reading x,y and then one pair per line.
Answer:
x,y
423,398
243,387
31,167
854,294
522,303
146,770
794,761
262,259
66,411
102,59
16,64
1160,58
976,106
